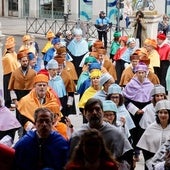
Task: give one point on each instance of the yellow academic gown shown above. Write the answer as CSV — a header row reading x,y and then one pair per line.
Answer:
x,y
89,93
10,63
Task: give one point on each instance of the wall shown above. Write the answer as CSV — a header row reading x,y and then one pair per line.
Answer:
x,y
98,5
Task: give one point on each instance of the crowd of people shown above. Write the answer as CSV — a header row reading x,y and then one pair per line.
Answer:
x,y
122,98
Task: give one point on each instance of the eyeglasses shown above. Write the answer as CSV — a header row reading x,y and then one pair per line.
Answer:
x,y
47,121
159,95
114,97
108,115
163,112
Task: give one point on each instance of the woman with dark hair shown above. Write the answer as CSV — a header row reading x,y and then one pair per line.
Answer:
x,y
158,93
158,132
110,115
91,153
115,94
140,28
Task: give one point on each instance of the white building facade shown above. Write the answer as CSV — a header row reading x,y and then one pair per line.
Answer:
x,y
77,9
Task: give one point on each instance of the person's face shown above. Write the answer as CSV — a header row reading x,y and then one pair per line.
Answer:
x,y
78,37
141,75
93,49
132,45
159,41
95,116
122,43
100,57
69,36
53,72
148,48
95,81
64,55
57,45
27,43
44,124
41,89
24,61
110,116
12,49
165,18
163,116
102,15
92,150
159,97
107,84
134,63
33,62
115,98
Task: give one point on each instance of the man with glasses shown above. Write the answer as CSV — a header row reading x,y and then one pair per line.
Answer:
x,y
40,96
42,148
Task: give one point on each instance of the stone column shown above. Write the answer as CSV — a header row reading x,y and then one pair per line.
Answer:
x,y
152,19
1,68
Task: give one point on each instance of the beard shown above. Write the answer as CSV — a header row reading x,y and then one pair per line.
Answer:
x,y
95,121
24,68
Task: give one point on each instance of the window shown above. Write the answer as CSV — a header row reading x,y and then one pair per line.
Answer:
x,y
52,9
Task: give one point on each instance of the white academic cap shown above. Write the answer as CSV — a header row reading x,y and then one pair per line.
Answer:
x,y
78,31
109,105
157,89
162,104
131,40
52,64
68,32
104,78
114,89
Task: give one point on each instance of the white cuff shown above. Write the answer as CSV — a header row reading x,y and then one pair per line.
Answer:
x,y
70,100
126,65
29,126
132,108
13,95
7,140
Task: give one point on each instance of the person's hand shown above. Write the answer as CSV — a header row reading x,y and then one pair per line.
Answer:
x,y
68,122
139,112
123,120
107,30
14,103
